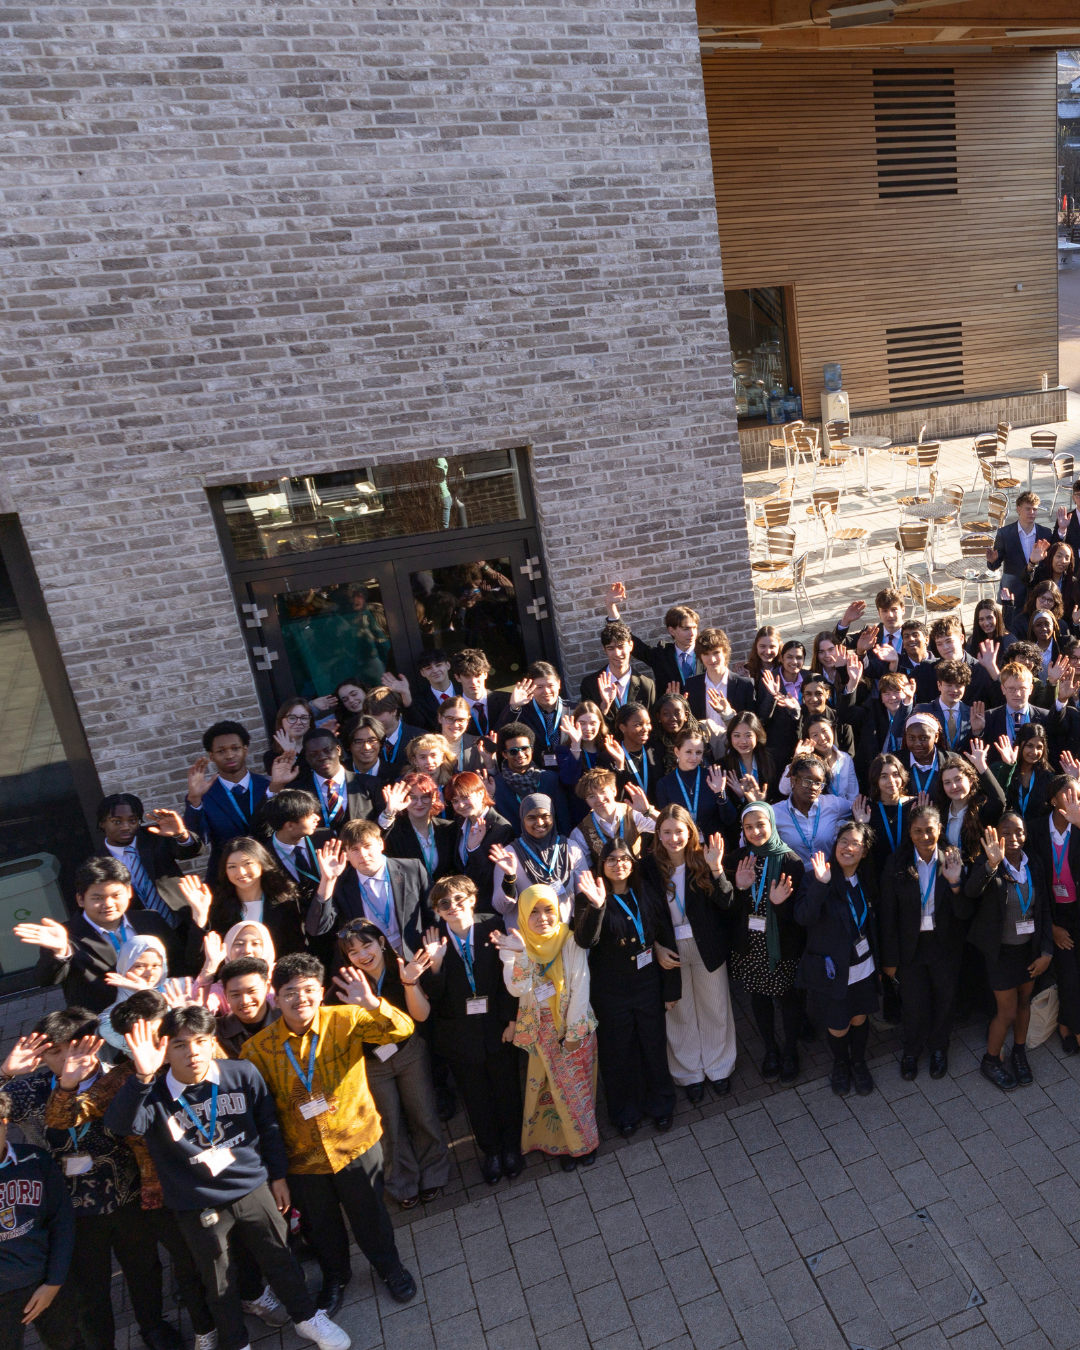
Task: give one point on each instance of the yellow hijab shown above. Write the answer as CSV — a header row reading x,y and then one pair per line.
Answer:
x,y
545,952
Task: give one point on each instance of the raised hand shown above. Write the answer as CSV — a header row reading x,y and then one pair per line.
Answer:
x,y
637,798
592,888
573,731
283,771
411,973
822,870
48,933
744,873
853,613
719,704
510,941
199,780
888,654
180,992
922,799
25,1055
147,1054
608,689
1068,683
477,830
1005,749
395,798
751,788
285,742
119,981
781,889
332,861
399,684
1039,550
489,787
1076,616
213,952
993,847
355,988
82,1058
504,858
199,899
615,594
1070,764
1056,669
978,718
976,753
988,657
1072,806
716,779
324,702
734,783
523,692
168,823
954,866
771,682
615,752
714,852
1005,596
674,687
435,948
803,748
867,640
1062,520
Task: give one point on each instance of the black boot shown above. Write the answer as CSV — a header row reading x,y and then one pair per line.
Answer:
x,y
1020,1066
841,1071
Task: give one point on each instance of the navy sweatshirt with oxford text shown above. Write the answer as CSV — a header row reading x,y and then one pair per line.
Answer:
x,y
37,1223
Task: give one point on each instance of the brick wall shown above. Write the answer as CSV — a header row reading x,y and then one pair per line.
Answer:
x,y
241,243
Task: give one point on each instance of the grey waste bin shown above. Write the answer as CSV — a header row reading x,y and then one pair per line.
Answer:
x,y
29,890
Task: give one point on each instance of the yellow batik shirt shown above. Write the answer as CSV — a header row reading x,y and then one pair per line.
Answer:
x,y
329,1141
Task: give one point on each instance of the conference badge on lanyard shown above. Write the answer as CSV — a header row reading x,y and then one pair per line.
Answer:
x,y
315,1106
926,922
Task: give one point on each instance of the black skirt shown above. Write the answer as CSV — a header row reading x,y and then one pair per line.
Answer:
x,y
1010,970
859,1000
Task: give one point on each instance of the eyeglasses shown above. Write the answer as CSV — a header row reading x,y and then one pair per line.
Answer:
x,y
453,901
297,719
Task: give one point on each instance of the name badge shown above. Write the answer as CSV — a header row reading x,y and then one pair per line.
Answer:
x,y
551,761
75,1164
473,1006
1061,890
545,990
862,947
315,1107
217,1159
644,959
683,931
927,924
1024,927
385,1051
757,923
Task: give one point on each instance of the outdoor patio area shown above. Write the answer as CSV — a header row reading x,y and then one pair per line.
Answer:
x,y
854,574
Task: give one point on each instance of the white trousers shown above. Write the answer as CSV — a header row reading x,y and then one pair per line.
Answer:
x,y
701,1026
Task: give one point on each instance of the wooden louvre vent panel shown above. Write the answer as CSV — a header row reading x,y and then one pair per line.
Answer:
x,y
915,132
925,361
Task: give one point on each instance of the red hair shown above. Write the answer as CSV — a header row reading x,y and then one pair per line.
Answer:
x,y
425,783
467,782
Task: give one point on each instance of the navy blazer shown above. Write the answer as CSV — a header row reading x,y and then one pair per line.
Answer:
x,y
900,911
1011,558
663,663
640,689
962,739
997,725
984,896
822,909
392,767
425,706
221,817
740,693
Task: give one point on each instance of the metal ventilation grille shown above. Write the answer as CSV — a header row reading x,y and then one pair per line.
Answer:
x,y
915,132
925,362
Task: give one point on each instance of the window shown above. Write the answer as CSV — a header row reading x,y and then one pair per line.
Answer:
x,y
359,506
760,362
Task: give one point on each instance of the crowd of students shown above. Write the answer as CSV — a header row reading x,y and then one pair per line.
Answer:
x,y
450,890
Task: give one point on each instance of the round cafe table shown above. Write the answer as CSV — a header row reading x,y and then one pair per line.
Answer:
x,y
931,512
969,573
755,491
864,446
1033,456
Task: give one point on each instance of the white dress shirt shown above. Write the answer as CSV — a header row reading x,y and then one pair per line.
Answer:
x,y
378,897
177,1089
1027,541
926,870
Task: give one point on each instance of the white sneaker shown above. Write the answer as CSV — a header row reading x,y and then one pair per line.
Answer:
x,y
267,1308
327,1335
207,1340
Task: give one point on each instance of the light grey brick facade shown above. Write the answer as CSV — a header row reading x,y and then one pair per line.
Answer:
x,y
241,242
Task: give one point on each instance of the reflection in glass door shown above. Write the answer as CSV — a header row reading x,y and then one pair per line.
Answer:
x,y
335,633
472,604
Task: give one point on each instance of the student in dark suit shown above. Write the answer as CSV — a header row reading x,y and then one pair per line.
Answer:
x,y
293,833
360,882
1055,841
536,702
414,828
251,886
947,639
951,710
1067,524
472,1024
477,828
520,776
1017,683
879,724
340,793
470,669
79,953
221,806
385,706
735,693
1013,544
618,683
672,663
149,852
436,687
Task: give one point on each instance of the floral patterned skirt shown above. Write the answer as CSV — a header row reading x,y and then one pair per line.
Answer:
x,y
560,1095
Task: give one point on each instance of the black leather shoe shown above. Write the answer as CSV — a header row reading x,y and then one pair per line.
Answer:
x,y
1069,1044
400,1285
862,1078
162,1337
331,1297
513,1164
695,1093
1020,1066
909,1068
628,1131
721,1086
770,1067
568,1164
490,1168
587,1159
993,1069
841,1079
663,1123
939,1063
789,1067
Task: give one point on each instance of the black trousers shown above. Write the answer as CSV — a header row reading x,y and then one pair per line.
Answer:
x,y
1067,967
357,1189
162,1224
791,1016
55,1326
928,993
97,1236
265,1236
631,1044
491,1092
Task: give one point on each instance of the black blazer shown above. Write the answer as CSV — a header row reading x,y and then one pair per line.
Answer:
x,y
640,689
706,914
401,842
997,725
284,922
160,854
498,712
479,868
612,943
792,934
408,882
528,717
392,768
1011,558
870,725
663,663
709,817
784,730
984,895
362,802
740,692
456,1035
424,708
982,688
823,910
900,911
82,975
1040,846
654,763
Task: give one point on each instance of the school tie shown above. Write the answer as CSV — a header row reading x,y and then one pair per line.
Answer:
x,y
303,863
333,801
240,797
686,665
480,717
952,726
145,888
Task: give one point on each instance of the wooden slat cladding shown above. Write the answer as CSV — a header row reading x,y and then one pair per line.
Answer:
x,y
915,131
796,170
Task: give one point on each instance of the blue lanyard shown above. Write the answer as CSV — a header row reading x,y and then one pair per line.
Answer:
x,y
929,891
865,911
599,830
544,969
207,1133
323,798
427,843
308,1078
920,786
548,871
1025,902
1059,854
1010,721
634,915
808,844
697,791
585,756
235,805
464,950
76,1137
378,991
894,844
757,890
553,730
1022,796
386,913
954,739
641,778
